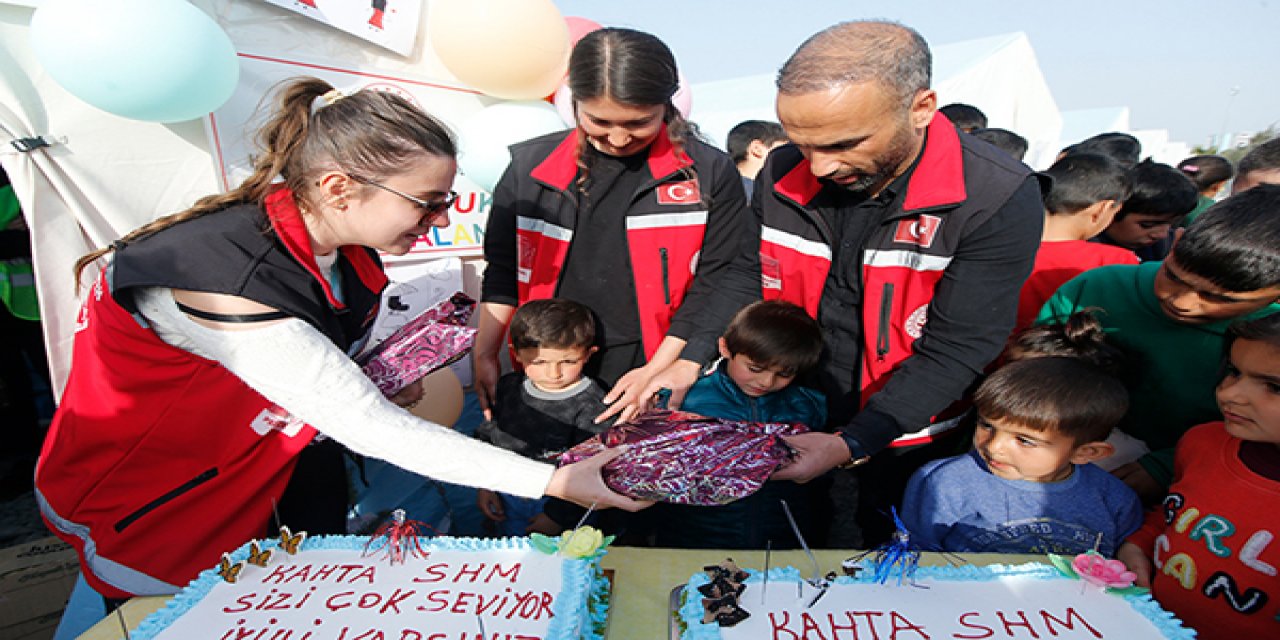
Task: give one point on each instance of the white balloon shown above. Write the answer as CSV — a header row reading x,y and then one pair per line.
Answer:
x,y
483,139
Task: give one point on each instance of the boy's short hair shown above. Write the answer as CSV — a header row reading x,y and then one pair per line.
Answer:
x,y
1121,147
1063,395
1081,180
1160,190
1003,139
1235,244
1080,336
554,323
965,117
773,333
1264,157
1204,171
744,133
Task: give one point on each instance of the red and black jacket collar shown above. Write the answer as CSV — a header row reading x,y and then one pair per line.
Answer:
x,y
286,221
560,167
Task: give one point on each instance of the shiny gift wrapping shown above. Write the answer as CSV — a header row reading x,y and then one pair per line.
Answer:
x,y
435,338
685,458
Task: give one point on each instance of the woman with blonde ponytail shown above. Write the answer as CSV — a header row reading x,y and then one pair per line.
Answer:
x,y
215,345
629,214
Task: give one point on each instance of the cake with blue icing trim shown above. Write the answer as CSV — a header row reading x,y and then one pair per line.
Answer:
x,y
969,602
331,589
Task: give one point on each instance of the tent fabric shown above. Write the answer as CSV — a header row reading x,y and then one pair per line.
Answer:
x,y
103,175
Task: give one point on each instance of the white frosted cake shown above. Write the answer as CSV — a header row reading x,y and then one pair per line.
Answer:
x,y
330,590
1023,601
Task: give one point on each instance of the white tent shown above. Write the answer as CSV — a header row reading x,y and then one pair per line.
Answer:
x,y
74,193
999,75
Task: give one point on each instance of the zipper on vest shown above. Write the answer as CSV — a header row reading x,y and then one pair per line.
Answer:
x,y
666,276
886,312
158,502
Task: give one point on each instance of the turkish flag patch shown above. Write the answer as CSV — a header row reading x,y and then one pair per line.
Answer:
x,y
686,192
920,232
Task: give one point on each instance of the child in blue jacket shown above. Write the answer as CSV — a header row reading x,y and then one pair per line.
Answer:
x,y
765,346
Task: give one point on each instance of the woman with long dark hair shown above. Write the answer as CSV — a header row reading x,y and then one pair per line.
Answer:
x,y
628,213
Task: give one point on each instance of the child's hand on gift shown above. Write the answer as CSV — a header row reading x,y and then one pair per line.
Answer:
x,y
490,504
1136,561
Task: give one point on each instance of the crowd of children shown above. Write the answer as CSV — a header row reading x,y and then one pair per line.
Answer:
x,y
1142,279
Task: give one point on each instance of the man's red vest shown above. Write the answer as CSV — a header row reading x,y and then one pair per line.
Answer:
x,y
902,263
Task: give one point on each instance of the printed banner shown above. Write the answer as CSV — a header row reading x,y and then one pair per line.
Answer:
x,y
231,127
392,24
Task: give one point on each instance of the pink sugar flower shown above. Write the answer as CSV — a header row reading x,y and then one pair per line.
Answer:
x,y
1095,569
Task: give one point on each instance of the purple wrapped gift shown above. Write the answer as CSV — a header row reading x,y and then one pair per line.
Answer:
x,y
435,338
683,458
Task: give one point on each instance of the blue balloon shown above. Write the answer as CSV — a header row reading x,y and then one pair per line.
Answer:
x,y
153,60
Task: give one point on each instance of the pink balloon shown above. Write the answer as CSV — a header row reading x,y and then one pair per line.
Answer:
x,y
563,100
683,99
579,27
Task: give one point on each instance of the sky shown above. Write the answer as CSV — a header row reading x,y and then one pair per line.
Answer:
x,y
1174,63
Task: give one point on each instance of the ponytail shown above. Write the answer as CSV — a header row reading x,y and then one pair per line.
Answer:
x,y
370,134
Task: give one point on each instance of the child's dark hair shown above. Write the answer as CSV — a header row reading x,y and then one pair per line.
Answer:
x,y
1064,395
1081,180
554,323
1264,157
1206,171
775,334
1121,147
744,133
1265,329
1235,244
965,117
1003,139
1080,336
1161,190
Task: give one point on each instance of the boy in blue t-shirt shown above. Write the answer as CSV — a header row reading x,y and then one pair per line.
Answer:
x,y
765,346
1027,485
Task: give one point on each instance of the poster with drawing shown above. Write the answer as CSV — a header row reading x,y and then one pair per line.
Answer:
x,y
392,24
231,126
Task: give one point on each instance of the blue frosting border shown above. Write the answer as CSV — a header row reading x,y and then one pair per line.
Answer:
x,y
582,602
691,611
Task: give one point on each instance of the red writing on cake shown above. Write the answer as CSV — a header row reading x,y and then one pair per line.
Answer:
x,y
893,625
336,573
482,572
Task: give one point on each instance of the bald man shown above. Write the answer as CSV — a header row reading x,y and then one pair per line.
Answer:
x,y
907,241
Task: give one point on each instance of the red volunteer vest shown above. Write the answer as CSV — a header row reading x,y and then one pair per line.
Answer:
x,y
663,240
901,266
159,460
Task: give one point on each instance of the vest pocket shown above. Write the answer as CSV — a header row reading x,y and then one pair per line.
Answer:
x,y
886,314
170,495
